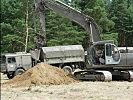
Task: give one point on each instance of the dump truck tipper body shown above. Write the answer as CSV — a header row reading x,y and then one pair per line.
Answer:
x,y
62,54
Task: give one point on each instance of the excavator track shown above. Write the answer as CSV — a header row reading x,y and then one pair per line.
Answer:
x,y
122,75
104,75
93,75
130,76
107,75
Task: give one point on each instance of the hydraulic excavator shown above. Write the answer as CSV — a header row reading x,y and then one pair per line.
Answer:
x,y
102,61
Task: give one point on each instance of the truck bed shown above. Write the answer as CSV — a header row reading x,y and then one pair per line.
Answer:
x,y
62,54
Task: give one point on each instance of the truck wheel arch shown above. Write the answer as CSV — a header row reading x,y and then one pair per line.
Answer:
x,y
10,75
19,71
67,69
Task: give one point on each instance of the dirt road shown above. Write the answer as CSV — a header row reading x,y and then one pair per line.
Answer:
x,y
75,91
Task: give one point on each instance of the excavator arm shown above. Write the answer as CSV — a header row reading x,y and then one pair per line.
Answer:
x,y
62,9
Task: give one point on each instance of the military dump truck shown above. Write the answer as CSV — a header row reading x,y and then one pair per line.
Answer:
x,y
66,57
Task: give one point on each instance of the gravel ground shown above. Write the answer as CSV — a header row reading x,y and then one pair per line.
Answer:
x,y
75,91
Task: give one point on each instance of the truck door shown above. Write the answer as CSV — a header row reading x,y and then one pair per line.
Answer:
x,y
26,62
112,54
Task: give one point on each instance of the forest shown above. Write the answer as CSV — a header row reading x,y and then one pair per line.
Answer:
x,y
114,18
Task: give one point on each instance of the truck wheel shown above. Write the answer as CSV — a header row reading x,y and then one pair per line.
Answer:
x,y
67,69
10,76
18,72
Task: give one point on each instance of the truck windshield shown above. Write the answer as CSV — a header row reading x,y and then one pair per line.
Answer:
x,y
11,60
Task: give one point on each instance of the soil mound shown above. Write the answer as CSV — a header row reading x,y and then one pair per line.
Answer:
x,y
41,74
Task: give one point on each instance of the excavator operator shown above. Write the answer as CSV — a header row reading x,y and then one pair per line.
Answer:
x,y
100,59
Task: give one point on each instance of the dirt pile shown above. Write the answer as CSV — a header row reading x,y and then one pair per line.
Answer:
x,y
41,74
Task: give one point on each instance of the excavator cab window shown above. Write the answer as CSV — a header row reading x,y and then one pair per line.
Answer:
x,y
115,53
112,54
108,50
98,55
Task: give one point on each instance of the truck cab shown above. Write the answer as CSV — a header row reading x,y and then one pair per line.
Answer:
x,y
14,64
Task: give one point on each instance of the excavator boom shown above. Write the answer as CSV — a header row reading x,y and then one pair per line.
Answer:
x,y
65,10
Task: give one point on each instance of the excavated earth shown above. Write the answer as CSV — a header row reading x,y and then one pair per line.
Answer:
x,y
41,74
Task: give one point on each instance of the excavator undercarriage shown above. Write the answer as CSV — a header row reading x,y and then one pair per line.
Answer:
x,y
95,75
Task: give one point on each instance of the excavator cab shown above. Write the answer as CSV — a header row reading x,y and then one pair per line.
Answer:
x,y
104,53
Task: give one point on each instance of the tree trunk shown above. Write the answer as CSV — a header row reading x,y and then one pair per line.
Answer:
x,y
121,41
27,31
41,37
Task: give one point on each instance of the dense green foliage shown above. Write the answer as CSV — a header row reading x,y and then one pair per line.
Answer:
x,y
61,31
114,18
96,9
13,30
120,12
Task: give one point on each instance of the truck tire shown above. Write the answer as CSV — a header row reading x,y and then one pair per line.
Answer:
x,y
67,69
10,76
19,71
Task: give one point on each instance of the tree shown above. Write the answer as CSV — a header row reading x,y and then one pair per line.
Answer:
x,y
61,31
123,21
96,9
13,25
129,24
